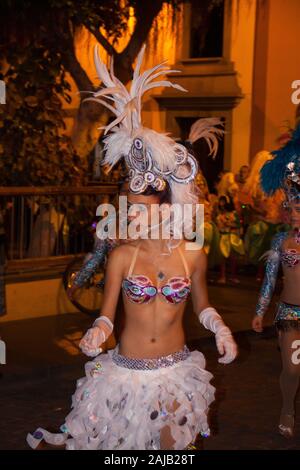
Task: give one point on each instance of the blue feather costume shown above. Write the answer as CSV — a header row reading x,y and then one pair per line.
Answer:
x,y
282,172
285,165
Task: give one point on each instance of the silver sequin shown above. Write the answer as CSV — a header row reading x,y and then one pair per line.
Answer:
x,y
150,364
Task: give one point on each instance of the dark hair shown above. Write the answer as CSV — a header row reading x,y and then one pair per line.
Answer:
x,y
228,206
164,196
122,183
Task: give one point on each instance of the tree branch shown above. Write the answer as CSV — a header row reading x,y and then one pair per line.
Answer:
x,y
103,41
79,75
70,60
144,20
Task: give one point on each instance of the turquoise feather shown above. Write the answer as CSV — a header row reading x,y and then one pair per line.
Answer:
x,y
272,173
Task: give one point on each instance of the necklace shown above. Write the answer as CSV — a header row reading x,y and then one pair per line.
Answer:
x,y
157,262
160,276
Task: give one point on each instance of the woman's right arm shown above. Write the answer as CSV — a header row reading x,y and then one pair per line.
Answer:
x,y
104,324
91,263
269,282
113,280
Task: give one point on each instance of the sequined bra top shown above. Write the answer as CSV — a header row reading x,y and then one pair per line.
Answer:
x,y
139,288
290,257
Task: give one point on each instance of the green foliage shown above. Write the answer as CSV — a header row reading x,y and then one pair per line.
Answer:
x,y
37,41
33,147
34,39
31,18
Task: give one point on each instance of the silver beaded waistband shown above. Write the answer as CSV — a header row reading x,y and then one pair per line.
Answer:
x,y
150,364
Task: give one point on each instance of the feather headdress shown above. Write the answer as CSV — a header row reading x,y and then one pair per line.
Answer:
x,y
152,158
283,171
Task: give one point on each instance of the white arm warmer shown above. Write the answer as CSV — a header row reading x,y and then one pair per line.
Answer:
x,y
226,345
102,328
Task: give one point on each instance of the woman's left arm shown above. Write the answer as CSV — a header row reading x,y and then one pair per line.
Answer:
x,y
208,316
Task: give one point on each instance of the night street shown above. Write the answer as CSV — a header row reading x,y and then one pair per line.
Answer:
x,y
133,133
40,376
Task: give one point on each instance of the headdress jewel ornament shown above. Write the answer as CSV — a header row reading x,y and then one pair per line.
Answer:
x,y
152,158
283,171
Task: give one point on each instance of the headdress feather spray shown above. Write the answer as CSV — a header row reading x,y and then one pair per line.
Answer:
x,y
209,129
152,158
283,168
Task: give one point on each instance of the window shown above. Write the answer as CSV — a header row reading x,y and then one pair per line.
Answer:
x,y
206,38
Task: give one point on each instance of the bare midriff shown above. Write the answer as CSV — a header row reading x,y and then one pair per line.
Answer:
x,y
152,330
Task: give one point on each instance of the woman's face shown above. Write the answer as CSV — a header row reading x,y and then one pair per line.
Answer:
x,y
233,191
222,203
244,173
143,206
295,214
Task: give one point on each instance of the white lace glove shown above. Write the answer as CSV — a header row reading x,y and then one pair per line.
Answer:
x,y
90,343
226,345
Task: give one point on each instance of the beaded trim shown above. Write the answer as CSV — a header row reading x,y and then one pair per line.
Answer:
x,y
287,311
150,364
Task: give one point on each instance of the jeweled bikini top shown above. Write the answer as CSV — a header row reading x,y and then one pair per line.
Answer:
x,y
290,257
139,288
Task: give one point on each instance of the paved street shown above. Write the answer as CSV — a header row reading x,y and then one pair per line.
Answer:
x,y
44,363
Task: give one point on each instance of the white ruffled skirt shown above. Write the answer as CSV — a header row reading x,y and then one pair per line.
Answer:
x,y
116,407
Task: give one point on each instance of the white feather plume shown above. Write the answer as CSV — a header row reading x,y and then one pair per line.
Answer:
x,y
206,128
127,105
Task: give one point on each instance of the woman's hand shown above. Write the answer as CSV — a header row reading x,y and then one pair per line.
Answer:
x,y
91,341
226,346
208,316
257,323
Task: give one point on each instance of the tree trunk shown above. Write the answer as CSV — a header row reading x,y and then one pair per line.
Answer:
x,y
90,115
86,130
